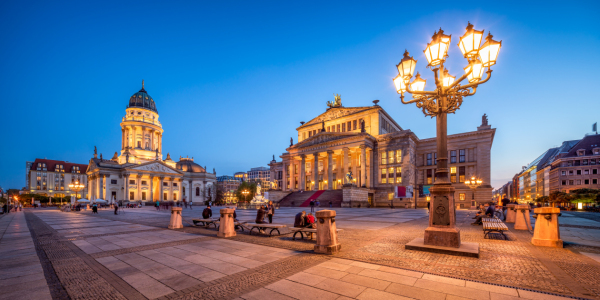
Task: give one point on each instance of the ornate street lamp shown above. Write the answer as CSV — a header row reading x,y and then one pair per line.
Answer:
x,y
447,97
245,192
474,183
76,187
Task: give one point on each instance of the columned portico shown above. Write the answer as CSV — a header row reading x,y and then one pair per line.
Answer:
x,y
284,181
151,198
363,165
316,171
161,197
126,183
138,195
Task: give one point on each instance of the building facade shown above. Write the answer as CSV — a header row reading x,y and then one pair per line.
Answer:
x,y
52,177
578,168
260,174
381,156
229,185
139,173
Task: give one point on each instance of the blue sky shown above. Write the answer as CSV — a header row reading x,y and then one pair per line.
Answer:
x,y
232,80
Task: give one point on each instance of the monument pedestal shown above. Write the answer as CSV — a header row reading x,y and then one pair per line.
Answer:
x,y
522,220
175,222
226,226
511,213
442,236
546,232
327,241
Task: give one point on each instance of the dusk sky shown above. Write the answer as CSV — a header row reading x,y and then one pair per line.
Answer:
x,y
232,80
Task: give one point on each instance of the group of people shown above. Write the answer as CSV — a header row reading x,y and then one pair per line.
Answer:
x,y
166,205
8,208
265,211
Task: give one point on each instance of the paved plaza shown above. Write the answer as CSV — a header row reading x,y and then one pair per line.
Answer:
x,y
48,254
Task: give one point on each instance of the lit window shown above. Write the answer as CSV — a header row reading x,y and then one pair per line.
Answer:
x,y
391,157
398,174
383,158
398,156
383,175
461,196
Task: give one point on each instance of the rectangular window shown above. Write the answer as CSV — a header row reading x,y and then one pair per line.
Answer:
x,y
563,173
461,157
592,161
429,159
398,174
571,172
315,132
594,171
453,156
586,172
309,133
131,181
594,181
398,156
461,174
144,182
131,194
175,184
165,184
584,162
564,182
143,195
338,128
579,182
391,156
435,158
175,196
571,182
453,174
383,158
462,196
343,127
113,181
354,125
349,126
383,175
328,128
587,181
429,176
578,172
164,196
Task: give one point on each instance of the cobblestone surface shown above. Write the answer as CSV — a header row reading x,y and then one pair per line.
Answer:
x,y
147,247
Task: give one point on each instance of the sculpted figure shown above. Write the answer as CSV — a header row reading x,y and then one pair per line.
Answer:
x,y
484,120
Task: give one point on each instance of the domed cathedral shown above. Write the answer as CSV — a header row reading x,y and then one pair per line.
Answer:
x,y
139,173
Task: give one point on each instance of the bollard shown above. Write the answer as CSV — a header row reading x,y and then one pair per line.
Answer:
x,y
327,241
522,220
510,213
226,226
546,231
175,222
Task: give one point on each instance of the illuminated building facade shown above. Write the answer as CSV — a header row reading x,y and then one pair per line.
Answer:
x,y
139,172
52,177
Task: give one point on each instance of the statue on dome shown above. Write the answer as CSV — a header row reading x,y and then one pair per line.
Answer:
x,y
484,120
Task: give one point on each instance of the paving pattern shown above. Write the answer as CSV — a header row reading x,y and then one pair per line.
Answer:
x,y
134,256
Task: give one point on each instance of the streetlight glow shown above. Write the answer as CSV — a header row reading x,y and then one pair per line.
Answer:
x,y
447,79
489,51
470,41
474,71
437,49
406,67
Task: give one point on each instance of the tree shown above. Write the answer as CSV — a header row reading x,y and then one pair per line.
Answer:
x,y
248,186
585,195
559,197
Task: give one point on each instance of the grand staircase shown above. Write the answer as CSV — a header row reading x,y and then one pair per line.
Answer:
x,y
298,199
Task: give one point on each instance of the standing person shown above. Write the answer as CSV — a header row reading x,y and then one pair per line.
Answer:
x,y
428,205
191,204
318,203
270,211
310,223
116,207
330,204
312,205
505,202
207,212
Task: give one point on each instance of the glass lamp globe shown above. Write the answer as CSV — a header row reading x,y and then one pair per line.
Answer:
x,y
477,72
470,41
435,52
489,51
406,67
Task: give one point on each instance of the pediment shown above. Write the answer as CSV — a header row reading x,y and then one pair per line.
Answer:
x,y
155,166
334,113
91,166
325,137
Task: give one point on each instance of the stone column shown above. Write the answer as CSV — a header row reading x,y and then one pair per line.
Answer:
x,y
160,198
363,165
546,232
122,138
190,192
151,198
316,170
151,139
522,221
511,214
327,241
284,180
139,186
226,226
345,164
103,187
126,185
329,169
302,172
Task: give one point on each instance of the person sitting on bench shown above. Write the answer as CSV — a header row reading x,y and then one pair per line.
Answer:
x,y
310,223
488,213
260,215
299,221
207,213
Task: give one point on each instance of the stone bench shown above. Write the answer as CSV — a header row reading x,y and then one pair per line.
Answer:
x,y
264,226
302,230
206,222
493,225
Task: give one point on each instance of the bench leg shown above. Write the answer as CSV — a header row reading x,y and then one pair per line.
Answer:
x,y
271,232
252,230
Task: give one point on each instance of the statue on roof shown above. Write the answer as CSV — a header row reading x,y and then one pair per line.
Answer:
x,y
362,126
291,142
337,101
484,120
127,158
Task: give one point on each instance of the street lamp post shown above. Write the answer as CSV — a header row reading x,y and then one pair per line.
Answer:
x,y
76,187
446,98
474,183
245,192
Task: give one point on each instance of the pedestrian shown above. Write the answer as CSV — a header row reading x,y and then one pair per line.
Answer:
x,y
20,207
330,204
185,203
207,212
312,205
318,203
116,207
270,211
505,202
191,204
428,205
94,208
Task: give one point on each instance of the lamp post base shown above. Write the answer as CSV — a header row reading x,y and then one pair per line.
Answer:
x,y
442,236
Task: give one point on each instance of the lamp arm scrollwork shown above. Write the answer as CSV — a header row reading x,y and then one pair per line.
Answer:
x,y
407,102
475,84
456,82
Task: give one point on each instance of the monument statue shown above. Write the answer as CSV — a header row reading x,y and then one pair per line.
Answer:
x,y
214,172
322,126
127,157
337,101
258,190
101,159
291,142
95,150
349,177
156,153
362,126
273,156
484,120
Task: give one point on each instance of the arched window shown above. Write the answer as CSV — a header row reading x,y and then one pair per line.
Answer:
x,y
197,191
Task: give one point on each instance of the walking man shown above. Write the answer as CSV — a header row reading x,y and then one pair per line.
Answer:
x,y
270,211
312,205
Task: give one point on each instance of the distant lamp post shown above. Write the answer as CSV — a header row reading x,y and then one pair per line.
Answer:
x,y
76,187
474,183
447,97
245,192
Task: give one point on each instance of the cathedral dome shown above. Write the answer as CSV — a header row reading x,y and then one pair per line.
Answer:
x,y
143,100
186,164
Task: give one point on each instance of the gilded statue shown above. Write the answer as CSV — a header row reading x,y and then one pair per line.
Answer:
x,y
337,101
